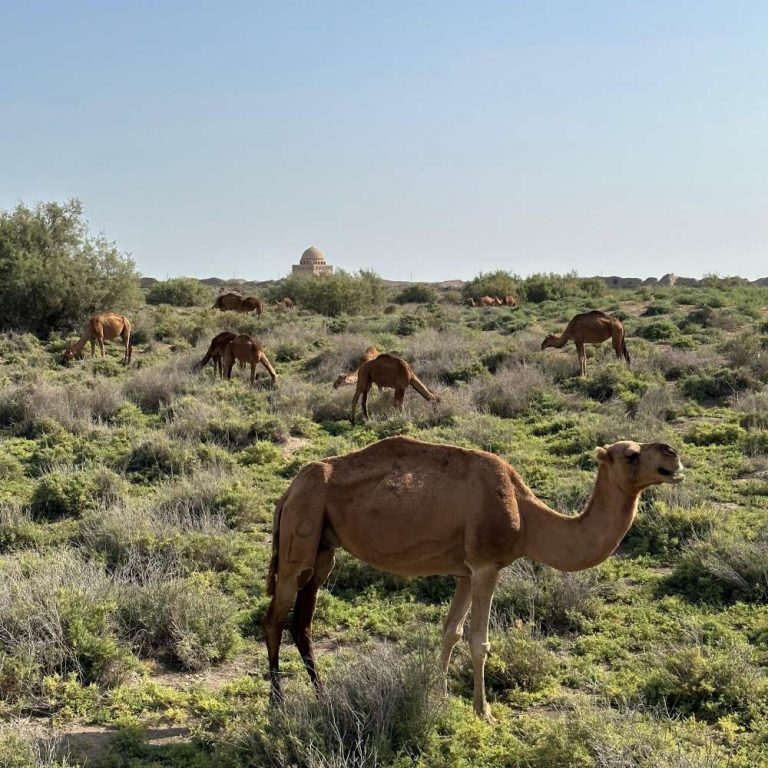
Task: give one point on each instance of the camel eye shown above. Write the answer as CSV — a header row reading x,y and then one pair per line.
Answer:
x,y
633,457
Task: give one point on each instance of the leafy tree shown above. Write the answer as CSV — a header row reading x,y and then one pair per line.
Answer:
x,y
418,293
180,292
333,295
54,273
498,283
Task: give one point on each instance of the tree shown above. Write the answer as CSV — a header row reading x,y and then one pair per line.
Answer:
x,y
333,295
418,293
499,283
54,273
180,292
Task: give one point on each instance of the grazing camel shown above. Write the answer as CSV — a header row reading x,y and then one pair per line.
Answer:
x,y
419,509
105,325
486,301
387,371
351,378
590,328
285,304
509,300
247,350
236,303
216,353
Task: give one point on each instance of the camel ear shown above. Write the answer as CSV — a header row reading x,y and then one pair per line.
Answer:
x,y
602,455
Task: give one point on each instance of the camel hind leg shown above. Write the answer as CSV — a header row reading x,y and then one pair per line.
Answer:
x,y
300,528
582,352
304,611
620,345
454,623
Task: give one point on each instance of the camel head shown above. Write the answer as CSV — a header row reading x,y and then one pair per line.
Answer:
x,y
635,466
69,355
341,380
549,341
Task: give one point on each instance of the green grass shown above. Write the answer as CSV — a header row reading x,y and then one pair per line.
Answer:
x,y
136,512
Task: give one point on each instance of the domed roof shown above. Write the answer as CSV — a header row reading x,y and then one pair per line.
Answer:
x,y
312,256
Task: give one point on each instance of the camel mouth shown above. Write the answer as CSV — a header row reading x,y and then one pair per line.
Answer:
x,y
672,476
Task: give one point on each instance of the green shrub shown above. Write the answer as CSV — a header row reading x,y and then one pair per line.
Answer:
x,y
70,494
663,531
155,458
711,384
55,274
657,308
715,434
409,324
337,294
180,292
498,283
657,330
707,682
613,380
416,294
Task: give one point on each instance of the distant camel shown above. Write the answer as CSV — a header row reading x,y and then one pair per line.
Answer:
x,y
419,509
387,371
105,325
247,350
216,353
499,301
509,300
485,301
471,302
285,303
234,302
351,378
590,328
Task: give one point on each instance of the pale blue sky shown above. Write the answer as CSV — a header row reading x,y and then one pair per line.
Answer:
x,y
425,139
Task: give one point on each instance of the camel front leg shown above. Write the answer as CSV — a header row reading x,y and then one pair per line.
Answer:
x,y
454,623
399,398
582,352
364,403
253,372
483,585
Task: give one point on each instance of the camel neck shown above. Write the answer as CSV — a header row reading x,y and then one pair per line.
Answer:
x,y
560,341
575,543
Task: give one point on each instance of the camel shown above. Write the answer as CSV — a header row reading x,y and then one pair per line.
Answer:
x,y
485,301
351,378
509,300
387,371
590,328
235,302
471,302
418,509
216,353
247,350
105,325
284,304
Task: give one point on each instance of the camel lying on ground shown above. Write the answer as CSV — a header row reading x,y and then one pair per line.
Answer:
x,y
105,325
351,378
387,371
419,509
216,353
247,350
590,328
236,303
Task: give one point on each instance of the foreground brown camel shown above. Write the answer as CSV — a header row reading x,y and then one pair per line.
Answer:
x,y
247,350
105,325
387,371
216,353
236,303
419,509
590,328
351,378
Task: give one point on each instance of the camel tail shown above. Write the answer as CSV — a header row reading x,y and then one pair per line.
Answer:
x,y
625,352
421,389
274,563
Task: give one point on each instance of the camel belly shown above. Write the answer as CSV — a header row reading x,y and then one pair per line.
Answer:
x,y
405,523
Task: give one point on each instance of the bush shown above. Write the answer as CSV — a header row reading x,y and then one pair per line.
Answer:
x,y
70,494
416,294
409,324
657,330
381,706
155,458
707,682
180,292
55,274
514,390
499,283
713,384
715,434
337,294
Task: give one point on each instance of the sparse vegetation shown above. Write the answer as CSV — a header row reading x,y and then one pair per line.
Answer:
x,y
136,514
